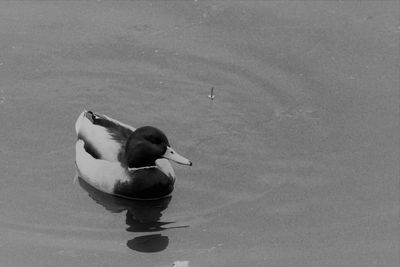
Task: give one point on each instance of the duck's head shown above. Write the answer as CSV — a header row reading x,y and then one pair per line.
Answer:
x,y
146,145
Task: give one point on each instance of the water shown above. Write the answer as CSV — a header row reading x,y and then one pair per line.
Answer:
x,y
295,159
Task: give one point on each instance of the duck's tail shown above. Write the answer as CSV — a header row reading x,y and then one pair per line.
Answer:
x,y
79,122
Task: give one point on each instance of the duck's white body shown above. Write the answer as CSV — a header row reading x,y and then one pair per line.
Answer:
x,y
105,168
102,174
99,137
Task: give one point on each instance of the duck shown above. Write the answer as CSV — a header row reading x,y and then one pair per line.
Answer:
x,y
118,159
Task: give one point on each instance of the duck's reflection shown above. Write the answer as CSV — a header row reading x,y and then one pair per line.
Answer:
x,y
149,243
141,216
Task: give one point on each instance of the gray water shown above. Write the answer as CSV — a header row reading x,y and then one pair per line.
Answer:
x,y
296,161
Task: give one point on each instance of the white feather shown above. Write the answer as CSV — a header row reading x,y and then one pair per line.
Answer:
x,y
97,172
99,137
165,166
78,122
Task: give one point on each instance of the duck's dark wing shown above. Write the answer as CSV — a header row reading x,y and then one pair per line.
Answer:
x,y
118,131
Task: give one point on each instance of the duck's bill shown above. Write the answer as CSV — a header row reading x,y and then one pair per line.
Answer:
x,y
172,155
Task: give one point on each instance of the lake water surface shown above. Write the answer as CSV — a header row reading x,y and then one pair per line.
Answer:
x,y
296,161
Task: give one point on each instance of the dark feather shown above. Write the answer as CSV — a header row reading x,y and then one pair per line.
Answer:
x,y
119,133
146,183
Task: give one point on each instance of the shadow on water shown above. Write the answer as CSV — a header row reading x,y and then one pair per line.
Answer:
x,y
149,243
141,216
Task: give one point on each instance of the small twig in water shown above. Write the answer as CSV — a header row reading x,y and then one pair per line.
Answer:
x,y
211,95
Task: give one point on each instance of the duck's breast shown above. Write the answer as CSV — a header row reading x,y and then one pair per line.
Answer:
x,y
145,184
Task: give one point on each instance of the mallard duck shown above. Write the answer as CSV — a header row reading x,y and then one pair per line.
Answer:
x,y
120,160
